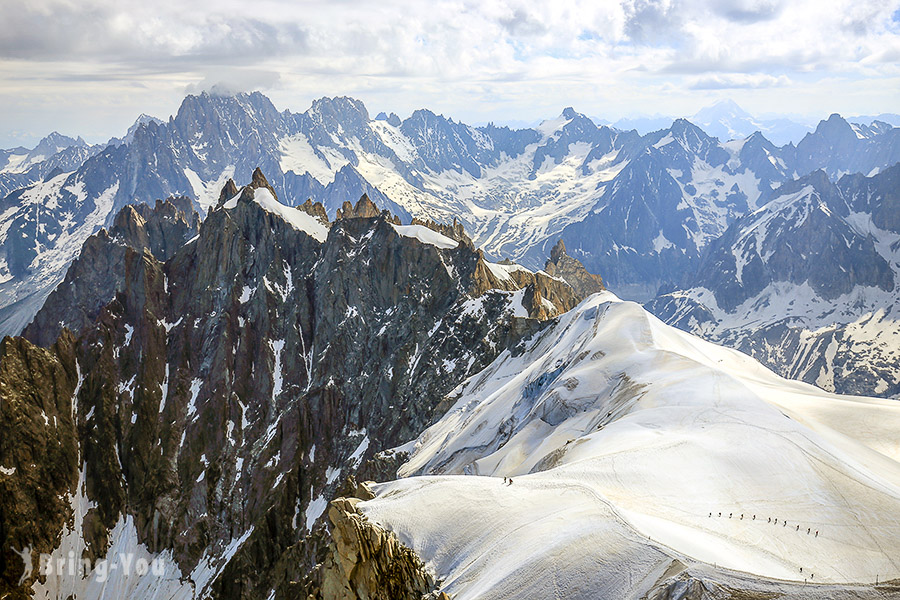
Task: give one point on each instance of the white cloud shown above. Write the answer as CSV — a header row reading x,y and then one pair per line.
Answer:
x,y
720,81
461,57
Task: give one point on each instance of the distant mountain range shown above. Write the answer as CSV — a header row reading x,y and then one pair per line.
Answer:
x,y
642,210
728,121
56,153
807,284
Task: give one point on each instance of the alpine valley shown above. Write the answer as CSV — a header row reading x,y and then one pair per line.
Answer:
x,y
222,329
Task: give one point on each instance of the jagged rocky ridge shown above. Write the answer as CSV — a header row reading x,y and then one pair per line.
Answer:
x,y
212,407
93,278
516,191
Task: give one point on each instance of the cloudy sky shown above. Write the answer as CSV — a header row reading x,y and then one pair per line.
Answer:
x,y
90,67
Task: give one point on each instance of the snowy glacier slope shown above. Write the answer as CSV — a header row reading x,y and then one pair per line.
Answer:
x,y
632,444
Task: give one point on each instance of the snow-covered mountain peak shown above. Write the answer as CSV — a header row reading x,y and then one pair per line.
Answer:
x,y
691,137
816,187
339,114
548,127
725,108
55,141
807,283
142,120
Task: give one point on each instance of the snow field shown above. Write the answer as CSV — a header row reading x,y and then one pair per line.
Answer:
x,y
648,430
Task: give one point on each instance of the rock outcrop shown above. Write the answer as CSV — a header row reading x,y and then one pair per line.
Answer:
x,y
454,231
364,209
366,562
315,209
572,272
39,451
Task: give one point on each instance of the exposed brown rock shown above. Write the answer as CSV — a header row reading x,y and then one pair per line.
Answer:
x,y
364,209
454,231
38,450
545,296
366,562
161,229
315,209
251,301
257,181
573,272
228,192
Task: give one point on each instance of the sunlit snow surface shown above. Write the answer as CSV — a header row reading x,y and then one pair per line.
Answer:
x,y
623,435
426,236
294,216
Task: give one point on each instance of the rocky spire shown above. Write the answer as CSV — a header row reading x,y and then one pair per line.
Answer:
x,y
558,250
229,191
569,269
257,181
315,209
364,208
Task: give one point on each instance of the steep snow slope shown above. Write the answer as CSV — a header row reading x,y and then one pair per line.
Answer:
x,y
632,444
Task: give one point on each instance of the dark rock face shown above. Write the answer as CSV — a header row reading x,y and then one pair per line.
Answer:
x,y
835,147
657,217
878,196
579,128
691,141
447,145
229,389
768,162
94,277
804,219
39,450
618,237
653,221
393,119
